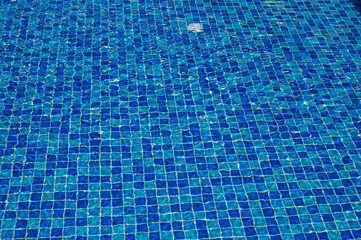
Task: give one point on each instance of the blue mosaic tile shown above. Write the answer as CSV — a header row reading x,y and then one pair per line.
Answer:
x,y
196,119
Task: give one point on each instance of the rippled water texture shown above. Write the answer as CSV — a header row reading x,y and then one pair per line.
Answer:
x,y
202,119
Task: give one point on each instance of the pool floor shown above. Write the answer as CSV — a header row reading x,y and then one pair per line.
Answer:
x,y
175,119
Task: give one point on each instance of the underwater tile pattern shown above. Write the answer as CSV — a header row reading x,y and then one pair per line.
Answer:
x,y
201,119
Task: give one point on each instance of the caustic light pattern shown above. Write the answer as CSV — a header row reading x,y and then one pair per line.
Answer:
x,y
184,119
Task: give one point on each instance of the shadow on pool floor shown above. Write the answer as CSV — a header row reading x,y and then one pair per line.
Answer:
x,y
357,4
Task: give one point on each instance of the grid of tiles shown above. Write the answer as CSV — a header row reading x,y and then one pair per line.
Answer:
x,y
197,119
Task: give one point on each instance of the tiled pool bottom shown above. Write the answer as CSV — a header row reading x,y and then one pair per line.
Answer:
x,y
180,119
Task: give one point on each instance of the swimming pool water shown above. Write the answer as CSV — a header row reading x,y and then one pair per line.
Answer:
x,y
201,119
